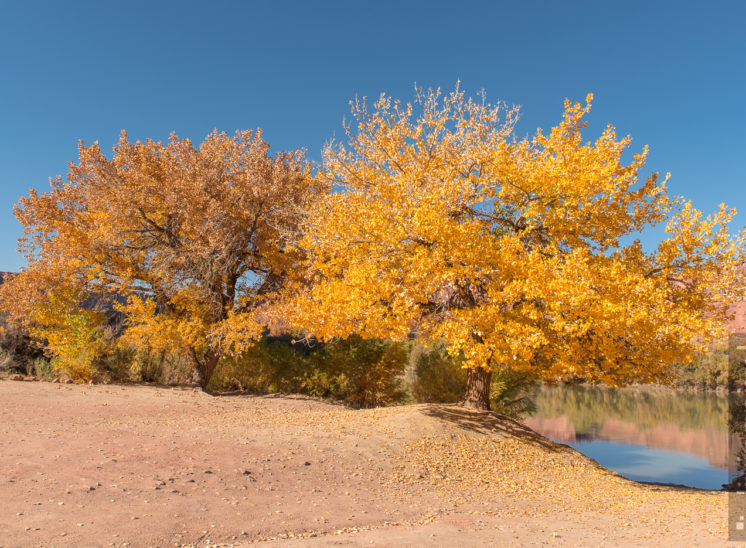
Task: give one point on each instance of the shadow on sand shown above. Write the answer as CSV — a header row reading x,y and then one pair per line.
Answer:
x,y
488,422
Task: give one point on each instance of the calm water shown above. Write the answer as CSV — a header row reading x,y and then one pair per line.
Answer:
x,y
651,436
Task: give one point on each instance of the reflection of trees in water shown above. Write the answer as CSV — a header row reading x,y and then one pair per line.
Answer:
x,y
737,430
588,407
737,420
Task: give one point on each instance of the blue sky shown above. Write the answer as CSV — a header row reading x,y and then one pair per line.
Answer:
x,y
671,74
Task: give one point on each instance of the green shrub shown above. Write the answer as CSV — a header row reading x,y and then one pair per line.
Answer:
x,y
509,393
357,371
129,364
42,368
268,366
7,361
737,362
441,378
438,378
363,372
77,344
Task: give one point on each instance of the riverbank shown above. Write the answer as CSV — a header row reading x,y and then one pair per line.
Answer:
x,y
109,465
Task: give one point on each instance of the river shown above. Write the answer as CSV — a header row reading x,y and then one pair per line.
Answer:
x,y
653,435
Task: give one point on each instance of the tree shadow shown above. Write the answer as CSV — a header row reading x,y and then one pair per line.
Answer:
x,y
489,422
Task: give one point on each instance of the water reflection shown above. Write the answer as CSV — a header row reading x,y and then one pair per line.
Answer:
x,y
656,436
737,431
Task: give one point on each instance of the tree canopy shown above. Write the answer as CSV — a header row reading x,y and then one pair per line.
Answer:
x,y
518,253
188,236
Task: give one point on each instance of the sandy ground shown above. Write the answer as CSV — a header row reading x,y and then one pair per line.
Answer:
x,y
145,466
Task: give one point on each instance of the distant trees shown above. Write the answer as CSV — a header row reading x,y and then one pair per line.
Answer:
x,y
189,235
515,252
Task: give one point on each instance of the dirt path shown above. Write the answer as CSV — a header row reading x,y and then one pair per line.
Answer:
x,y
142,466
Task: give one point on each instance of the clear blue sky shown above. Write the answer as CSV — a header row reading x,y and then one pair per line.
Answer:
x,y
672,74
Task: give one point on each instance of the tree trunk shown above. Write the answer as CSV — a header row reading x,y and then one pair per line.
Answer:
x,y
202,369
478,389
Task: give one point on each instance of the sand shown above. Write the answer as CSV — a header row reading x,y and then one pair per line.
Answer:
x,y
109,465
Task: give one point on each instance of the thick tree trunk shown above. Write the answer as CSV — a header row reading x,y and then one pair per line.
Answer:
x,y
478,389
202,369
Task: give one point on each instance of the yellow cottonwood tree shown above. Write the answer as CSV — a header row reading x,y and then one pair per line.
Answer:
x,y
190,235
516,252
72,333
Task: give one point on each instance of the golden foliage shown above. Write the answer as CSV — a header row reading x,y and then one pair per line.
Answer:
x,y
200,235
74,335
516,252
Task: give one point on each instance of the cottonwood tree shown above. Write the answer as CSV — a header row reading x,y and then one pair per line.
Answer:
x,y
518,253
189,235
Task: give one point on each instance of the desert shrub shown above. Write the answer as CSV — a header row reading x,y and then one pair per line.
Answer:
x,y
441,378
147,365
7,363
357,371
131,364
365,372
438,378
267,366
42,368
116,365
167,367
17,351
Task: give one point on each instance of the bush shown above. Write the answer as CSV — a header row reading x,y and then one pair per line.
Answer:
x,y
509,393
77,344
72,335
42,368
438,378
268,366
367,373
441,378
7,363
17,351
129,364
360,372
